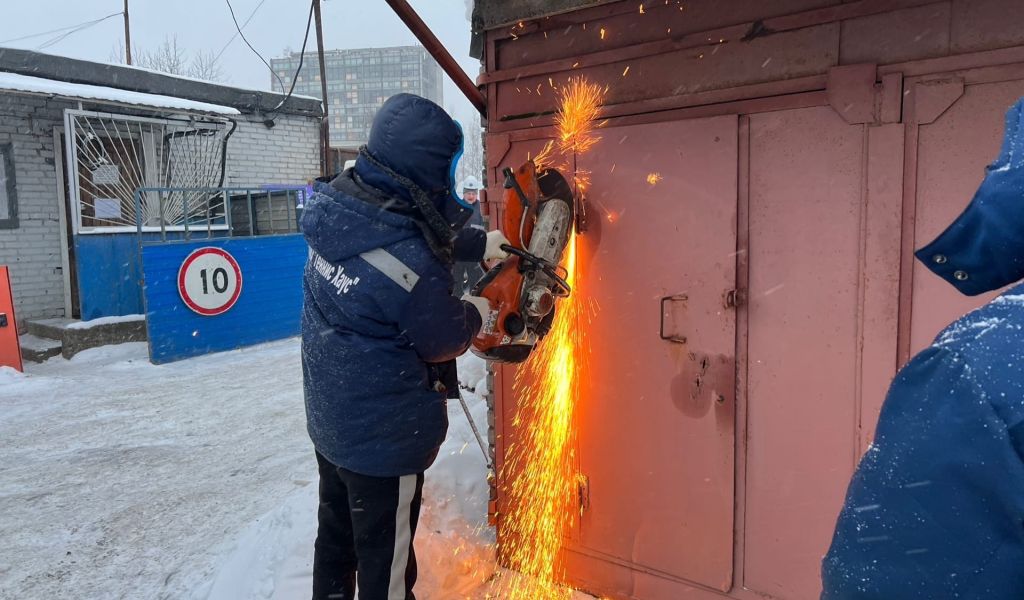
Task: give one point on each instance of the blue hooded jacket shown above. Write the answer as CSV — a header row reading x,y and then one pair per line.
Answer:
x,y
936,507
378,319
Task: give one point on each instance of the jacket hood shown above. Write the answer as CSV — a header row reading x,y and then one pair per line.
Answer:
x,y
983,250
338,226
416,139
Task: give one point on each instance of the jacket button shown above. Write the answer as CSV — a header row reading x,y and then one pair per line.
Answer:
x,y
939,259
961,275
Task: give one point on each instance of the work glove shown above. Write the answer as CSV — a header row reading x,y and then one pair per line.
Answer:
x,y
482,305
493,250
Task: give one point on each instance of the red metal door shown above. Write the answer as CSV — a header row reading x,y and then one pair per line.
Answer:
x,y
954,143
656,423
805,220
10,349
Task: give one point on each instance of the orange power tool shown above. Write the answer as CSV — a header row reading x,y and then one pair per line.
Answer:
x,y
523,288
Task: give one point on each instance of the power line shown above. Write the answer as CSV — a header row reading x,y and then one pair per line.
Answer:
x,y
244,25
59,38
58,30
246,40
302,54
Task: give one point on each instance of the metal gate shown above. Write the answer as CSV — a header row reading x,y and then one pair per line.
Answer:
x,y
111,155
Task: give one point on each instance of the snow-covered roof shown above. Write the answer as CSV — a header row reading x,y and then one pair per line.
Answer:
x,y
39,85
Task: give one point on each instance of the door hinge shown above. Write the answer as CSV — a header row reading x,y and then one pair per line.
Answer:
x,y
733,298
583,492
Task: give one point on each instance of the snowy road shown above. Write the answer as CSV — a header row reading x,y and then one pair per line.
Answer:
x,y
121,479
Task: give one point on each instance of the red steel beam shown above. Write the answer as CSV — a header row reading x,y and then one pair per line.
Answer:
x,y
440,53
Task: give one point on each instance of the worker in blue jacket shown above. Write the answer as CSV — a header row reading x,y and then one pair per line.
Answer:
x,y
380,332
936,507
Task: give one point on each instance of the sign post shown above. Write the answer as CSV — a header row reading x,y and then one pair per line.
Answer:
x,y
209,281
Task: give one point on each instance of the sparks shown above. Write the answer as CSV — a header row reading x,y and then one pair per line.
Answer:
x,y
602,33
580,103
653,178
540,476
626,71
641,8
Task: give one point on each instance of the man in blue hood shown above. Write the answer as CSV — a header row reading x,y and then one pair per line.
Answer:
x,y
936,507
380,332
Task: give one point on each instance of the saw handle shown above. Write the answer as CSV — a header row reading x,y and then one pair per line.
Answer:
x,y
549,269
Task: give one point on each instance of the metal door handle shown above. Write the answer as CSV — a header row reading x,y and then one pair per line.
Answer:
x,y
671,337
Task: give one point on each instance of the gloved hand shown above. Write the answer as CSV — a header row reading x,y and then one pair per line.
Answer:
x,y
493,250
482,305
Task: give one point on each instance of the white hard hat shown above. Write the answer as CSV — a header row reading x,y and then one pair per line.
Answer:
x,y
471,183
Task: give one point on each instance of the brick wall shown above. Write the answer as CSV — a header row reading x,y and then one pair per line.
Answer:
x,y
33,250
286,153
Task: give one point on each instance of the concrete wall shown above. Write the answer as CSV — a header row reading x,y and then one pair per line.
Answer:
x,y
257,155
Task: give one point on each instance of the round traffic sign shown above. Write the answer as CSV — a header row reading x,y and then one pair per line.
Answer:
x,y
209,281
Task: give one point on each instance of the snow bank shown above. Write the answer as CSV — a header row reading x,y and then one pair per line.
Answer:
x,y
10,375
105,321
39,85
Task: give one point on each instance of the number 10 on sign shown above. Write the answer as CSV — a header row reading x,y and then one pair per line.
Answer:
x,y
209,281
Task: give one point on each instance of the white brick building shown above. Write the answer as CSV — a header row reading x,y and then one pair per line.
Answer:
x,y
40,220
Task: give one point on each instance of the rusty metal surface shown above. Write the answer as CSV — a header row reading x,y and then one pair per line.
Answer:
x,y
828,203
793,54
436,49
911,33
952,154
656,422
493,13
805,199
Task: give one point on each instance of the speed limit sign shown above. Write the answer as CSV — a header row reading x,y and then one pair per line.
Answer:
x,y
209,281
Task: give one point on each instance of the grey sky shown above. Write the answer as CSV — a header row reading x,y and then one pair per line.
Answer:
x,y
206,25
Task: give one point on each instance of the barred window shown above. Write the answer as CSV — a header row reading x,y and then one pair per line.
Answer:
x,y
8,189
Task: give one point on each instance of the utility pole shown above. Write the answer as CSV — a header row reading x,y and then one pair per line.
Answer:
x,y
325,126
127,36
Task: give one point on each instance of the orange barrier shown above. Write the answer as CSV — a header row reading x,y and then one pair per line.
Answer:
x,y
10,349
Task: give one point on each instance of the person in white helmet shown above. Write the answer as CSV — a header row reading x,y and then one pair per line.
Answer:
x,y
467,274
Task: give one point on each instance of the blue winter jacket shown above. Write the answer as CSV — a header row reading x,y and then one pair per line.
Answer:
x,y
936,507
378,315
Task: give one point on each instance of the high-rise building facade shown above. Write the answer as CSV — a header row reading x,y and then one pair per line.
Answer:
x,y
358,83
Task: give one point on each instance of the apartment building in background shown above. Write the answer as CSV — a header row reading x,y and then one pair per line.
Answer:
x,y
358,82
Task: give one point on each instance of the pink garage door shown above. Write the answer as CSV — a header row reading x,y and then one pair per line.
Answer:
x,y
805,223
656,426
952,152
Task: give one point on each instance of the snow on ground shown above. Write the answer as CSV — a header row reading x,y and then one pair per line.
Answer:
x,y
122,479
105,321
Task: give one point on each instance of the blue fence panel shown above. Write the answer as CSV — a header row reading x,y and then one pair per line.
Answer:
x,y
110,271
268,308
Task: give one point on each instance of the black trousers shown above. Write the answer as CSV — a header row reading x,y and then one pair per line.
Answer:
x,y
366,530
